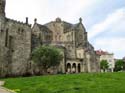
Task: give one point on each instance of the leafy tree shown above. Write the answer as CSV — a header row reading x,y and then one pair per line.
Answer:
x,y
119,65
104,65
46,57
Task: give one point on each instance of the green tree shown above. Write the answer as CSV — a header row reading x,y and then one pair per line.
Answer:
x,y
104,65
119,65
46,57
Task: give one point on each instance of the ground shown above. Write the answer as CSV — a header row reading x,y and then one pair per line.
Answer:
x,y
71,83
2,89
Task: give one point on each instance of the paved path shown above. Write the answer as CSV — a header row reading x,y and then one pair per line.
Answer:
x,y
2,89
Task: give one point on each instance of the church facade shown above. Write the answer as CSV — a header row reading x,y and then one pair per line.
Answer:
x,y
18,40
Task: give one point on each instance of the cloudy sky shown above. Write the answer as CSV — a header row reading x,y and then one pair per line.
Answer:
x,y
104,20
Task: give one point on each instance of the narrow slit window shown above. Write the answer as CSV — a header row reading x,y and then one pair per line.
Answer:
x,y
6,38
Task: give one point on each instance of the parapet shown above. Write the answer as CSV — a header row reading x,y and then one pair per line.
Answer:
x,y
18,22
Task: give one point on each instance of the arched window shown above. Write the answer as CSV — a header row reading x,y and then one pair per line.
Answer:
x,y
69,68
74,68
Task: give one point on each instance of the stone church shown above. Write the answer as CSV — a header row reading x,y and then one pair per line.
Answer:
x,y
18,40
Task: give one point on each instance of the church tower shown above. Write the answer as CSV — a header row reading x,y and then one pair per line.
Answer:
x,y
2,7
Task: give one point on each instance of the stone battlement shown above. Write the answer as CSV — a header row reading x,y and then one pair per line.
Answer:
x,y
16,22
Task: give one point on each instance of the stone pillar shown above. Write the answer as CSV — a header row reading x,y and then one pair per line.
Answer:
x,y
71,68
82,66
88,63
77,68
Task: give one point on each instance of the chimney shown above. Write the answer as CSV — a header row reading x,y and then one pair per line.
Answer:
x,y
26,20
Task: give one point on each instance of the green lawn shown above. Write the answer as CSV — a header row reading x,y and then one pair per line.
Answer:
x,y
74,83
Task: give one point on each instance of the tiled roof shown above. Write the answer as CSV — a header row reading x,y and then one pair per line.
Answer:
x,y
101,52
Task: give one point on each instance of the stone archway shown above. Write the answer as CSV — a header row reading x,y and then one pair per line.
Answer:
x,y
79,68
69,68
74,68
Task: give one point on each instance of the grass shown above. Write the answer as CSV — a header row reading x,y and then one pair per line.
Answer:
x,y
74,83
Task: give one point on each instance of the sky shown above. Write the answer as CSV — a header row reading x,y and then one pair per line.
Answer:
x,y
104,20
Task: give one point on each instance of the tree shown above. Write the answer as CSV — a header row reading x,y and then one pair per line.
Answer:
x,y
46,57
104,65
119,65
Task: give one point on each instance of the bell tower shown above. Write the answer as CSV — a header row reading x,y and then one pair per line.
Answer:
x,y
2,7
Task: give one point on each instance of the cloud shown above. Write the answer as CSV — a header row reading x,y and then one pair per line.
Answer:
x,y
110,33
115,45
111,43
112,27
47,10
112,20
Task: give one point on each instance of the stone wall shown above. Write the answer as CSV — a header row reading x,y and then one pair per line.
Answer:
x,y
74,39
17,41
16,46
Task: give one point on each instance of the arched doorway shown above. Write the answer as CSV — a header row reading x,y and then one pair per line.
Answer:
x,y
74,68
79,68
69,68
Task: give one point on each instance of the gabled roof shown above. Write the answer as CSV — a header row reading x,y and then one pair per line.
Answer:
x,y
66,25
43,28
101,52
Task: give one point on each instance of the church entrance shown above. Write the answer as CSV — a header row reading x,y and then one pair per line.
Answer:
x,y
74,68
69,68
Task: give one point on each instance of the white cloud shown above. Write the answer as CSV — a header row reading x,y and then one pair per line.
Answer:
x,y
110,33
47,10
112,20
71,10
115,45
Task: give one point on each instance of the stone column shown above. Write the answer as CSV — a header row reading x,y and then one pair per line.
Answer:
x,y
71,68
77,68
82,65
88,63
